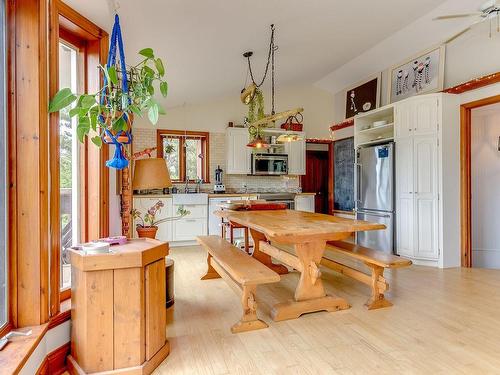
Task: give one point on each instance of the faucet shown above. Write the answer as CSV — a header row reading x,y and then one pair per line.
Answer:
x,y
198,185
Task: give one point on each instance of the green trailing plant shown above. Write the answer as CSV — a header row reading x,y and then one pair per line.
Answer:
x,y
257,103
143,81
148,220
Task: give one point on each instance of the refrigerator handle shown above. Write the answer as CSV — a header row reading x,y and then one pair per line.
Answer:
x,y
358,182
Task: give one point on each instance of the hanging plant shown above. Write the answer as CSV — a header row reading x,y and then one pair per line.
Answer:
x,y
111,108
257,103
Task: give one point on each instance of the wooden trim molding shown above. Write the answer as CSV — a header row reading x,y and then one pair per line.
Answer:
x,y
465,176
56,361
474,84
341,125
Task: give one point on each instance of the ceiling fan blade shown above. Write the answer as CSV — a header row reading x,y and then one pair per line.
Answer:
x,y
451,16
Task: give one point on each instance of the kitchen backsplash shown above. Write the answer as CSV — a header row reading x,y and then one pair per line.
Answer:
x,y
145,137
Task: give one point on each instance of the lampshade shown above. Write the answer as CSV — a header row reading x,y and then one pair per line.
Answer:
x,y
151,173
258,142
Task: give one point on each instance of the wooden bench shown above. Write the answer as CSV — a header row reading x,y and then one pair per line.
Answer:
x,y
240,271
377,261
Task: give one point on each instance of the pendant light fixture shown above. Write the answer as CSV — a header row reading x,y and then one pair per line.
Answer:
x,y
248,94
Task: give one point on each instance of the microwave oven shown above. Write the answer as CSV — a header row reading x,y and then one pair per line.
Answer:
x,y
269,164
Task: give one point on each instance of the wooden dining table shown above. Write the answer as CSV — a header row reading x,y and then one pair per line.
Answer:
x,y
307,233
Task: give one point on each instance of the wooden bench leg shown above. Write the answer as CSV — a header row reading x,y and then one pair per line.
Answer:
x,y
377,299
211,272
249,320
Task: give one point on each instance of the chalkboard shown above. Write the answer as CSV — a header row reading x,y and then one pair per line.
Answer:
x,y
343,174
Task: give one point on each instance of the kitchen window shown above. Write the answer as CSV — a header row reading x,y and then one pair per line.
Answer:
x,y
186,154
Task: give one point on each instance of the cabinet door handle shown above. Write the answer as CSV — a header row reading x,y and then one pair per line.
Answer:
x,y
190,220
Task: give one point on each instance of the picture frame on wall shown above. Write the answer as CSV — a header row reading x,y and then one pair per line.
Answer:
x,y
421,74
363,96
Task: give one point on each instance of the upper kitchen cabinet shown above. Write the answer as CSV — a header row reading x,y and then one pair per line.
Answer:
x,y
296,152
417,116
427,179
237,152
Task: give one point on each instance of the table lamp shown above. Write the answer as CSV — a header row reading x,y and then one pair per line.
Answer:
x,y
151,173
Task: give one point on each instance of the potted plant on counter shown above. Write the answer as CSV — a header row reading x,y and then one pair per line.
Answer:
x,y
148,225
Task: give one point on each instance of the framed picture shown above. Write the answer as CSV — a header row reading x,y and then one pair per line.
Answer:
x,y
362,97
421,74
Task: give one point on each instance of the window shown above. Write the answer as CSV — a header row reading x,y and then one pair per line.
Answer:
x,y
186,154
69,163
3,176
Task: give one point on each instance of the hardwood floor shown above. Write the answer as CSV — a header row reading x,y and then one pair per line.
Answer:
x,y
442,322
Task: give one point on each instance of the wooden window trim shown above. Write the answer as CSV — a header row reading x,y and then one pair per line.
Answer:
x,y
67,24
181,134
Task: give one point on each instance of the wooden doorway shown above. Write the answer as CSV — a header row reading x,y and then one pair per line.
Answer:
x,y
319,174
465,175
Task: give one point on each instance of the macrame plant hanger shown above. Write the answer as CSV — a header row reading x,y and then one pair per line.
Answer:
x,y
122,137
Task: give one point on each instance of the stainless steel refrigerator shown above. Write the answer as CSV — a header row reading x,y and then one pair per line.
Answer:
x,y
375,195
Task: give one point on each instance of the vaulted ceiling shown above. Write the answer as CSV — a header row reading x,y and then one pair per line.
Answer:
x,y
202,41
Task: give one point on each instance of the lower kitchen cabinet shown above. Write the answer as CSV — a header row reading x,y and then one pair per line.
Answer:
x,y
304,203
189,229
164,229
192,225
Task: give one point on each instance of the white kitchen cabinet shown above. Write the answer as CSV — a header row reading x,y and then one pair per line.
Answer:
x,y
426,196
304,203
237,153
188,229
427,179
143,203
296,152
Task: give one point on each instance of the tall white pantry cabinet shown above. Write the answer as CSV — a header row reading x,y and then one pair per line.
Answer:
x,y
427,137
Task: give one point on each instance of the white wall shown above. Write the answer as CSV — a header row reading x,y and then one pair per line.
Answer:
x,y
485,180
472,55
214,115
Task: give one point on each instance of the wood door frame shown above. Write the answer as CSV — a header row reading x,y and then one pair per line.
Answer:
x,y
330,168
465,176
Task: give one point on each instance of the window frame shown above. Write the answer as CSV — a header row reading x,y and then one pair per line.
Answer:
x,y
182,136
71,28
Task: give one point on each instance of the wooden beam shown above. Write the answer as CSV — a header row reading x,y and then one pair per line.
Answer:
x,y
283,256
355,274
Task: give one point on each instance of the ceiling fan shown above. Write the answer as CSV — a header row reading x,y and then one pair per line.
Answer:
x,y
487,12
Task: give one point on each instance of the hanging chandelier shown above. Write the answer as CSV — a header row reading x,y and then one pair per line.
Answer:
x,y
251,94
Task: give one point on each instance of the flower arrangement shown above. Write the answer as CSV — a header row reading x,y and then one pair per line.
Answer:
x,y
149,224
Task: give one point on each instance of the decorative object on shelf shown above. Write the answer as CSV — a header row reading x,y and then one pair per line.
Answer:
x,y
291,124
474,84
149,225
252,96
421,74
107,116
488,11
363,96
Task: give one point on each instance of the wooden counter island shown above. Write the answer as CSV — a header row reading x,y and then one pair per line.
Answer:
x,y
118,312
